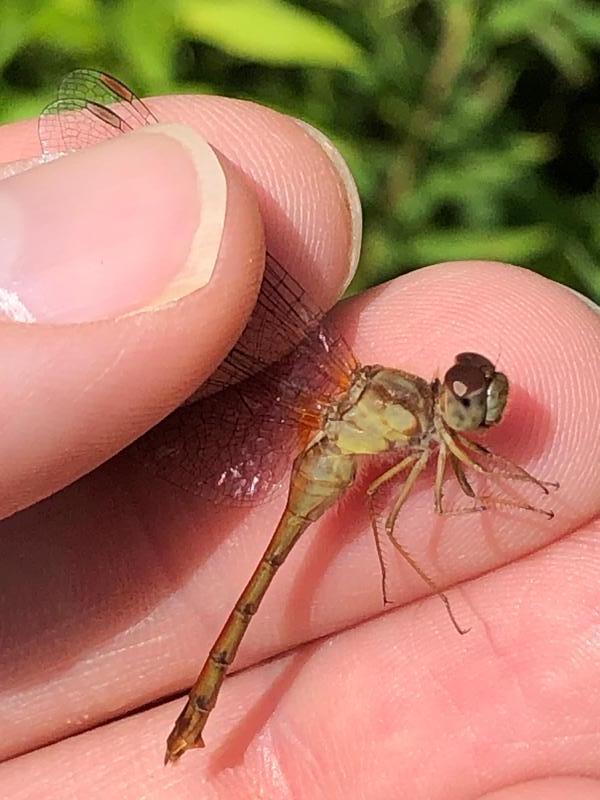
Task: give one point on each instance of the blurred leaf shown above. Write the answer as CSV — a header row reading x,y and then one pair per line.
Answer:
x,y
585,267
144,33
71,25
27,107
563,49
476,182
16,25
517,245
550,24
585,19
270,31
477,106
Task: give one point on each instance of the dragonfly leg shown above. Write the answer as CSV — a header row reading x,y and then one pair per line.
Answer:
x,y
485,502
462,479
440,471
505,467
406,489
460,455
418,467
391,473
379,549
371,492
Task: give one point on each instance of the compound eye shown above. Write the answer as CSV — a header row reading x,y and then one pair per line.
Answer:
x,y
478,361
464,397
497,395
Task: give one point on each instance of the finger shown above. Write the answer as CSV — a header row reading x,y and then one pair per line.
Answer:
x,y
160,570
549,789
306,193
416,711
106,228
122,261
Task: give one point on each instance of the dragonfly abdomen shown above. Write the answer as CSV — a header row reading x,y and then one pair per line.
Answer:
x,y
319,476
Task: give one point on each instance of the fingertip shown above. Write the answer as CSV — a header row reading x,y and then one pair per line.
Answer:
x,y
491,307
305,192
352,207
311,217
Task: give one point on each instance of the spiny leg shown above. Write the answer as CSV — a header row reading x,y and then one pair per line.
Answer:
x,y
379,549
465,459
439,478
505,466
371,492
459,454
485,502
440,471
407,486
389,529
460,457
462,479
391,473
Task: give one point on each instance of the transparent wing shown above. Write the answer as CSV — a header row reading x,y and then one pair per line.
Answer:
x,y
236,446
91,107
283,315
276,383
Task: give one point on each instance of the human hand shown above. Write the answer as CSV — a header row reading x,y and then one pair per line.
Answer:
x,y
113,589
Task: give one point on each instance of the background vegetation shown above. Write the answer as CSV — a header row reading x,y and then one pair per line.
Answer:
x,y
472,127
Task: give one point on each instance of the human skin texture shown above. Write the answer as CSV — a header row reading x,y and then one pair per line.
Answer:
x,y
114,584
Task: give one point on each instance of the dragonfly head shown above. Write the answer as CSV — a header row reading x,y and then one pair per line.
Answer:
x,y
473,395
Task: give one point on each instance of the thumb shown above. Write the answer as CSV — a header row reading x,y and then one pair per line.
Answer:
x,y
127,272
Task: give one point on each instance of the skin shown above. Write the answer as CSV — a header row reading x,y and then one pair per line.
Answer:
x,y
114,588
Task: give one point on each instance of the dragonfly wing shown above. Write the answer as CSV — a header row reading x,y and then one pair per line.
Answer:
x,y
224,447
283,316
277,381
91,107
236,446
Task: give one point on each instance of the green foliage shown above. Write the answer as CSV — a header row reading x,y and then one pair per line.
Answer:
x,y
470,125
270,31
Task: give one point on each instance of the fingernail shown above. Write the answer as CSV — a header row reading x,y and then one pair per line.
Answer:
x,y
351,190
129,225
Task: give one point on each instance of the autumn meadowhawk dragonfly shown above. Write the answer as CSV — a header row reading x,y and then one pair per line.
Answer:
x,y
291,391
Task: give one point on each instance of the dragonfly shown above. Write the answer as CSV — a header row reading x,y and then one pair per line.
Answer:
x,y
292,392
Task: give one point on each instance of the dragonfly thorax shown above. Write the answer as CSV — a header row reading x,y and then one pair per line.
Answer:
x,y
383,409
